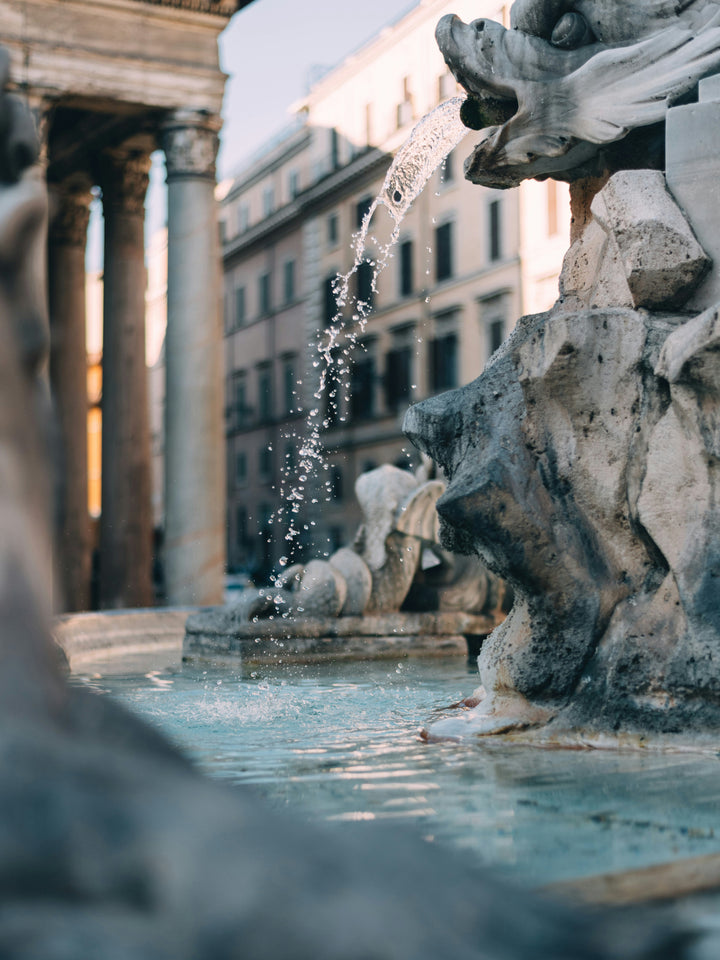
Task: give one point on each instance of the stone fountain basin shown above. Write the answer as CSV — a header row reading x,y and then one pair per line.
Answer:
x,y
337,740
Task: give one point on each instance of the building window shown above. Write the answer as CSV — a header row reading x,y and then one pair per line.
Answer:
x,y
289,281
239,306
228,311
268,201
264,297
243,217
332,230
361,210
496,334
447,169
265,464
332,393
242,529
330,307
444,251
264,393
495,230
335,483
241,471
222,226
265,515
447,86
398,376
289,385
552,205
364,279
293,184
405,107
334,149
406,268
444,362
362,388
239,405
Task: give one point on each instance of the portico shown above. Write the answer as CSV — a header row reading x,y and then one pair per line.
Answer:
x,y
110,81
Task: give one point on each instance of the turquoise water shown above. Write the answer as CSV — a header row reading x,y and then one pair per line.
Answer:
x,y
339,742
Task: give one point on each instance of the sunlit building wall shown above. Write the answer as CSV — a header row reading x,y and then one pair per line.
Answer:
x,y
469,261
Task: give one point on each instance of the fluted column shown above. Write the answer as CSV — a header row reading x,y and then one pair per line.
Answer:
x,y
194,428
68,379
126,520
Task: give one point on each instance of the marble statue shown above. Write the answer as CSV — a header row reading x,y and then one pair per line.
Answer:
x,y
582,464
396,562
558,93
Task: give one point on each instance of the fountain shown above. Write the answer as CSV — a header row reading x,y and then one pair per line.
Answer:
x,y
113,845
584,469
393,592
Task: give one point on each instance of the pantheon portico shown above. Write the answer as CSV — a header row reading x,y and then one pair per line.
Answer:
x,y
110,81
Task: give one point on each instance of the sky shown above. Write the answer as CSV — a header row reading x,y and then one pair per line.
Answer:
x,y
270,51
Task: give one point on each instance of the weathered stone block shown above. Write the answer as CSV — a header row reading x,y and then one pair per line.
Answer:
x,y
654,244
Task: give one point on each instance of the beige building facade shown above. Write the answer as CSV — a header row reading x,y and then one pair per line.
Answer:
x,y
468,262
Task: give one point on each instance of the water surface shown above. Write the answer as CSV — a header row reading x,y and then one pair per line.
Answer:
x,y
339,742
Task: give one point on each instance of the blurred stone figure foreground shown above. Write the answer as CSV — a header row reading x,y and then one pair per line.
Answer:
x,y
111,846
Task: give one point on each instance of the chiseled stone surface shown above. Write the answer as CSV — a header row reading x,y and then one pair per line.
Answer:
x,y
218,632
637,249
656,248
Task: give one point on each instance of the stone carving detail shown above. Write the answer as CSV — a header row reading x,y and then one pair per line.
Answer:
x,y
396,562
191,143
125,176
70,214
574,76
581,468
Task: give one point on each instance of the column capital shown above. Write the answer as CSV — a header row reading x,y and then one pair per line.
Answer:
x,y
70,211
190,141
124,177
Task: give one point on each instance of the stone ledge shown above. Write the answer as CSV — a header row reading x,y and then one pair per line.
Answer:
x,y
219,633
84,636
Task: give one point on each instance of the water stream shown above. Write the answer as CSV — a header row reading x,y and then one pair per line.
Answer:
x,y
429,143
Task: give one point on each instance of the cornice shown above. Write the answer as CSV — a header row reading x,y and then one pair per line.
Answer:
x,y
223,8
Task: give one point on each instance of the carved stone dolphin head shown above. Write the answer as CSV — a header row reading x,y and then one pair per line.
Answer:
x,y
576,76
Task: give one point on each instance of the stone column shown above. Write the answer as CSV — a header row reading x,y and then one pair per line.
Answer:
x,y
126,520
70,212
194,426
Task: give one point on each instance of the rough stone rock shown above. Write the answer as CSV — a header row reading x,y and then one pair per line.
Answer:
x,y
585,482
358,581
637,250
661,259
320,593
592,274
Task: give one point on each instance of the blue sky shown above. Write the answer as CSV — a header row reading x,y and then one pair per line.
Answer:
x,y
270,50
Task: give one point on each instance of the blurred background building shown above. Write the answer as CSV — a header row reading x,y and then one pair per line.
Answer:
x,y
109,83
468,263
